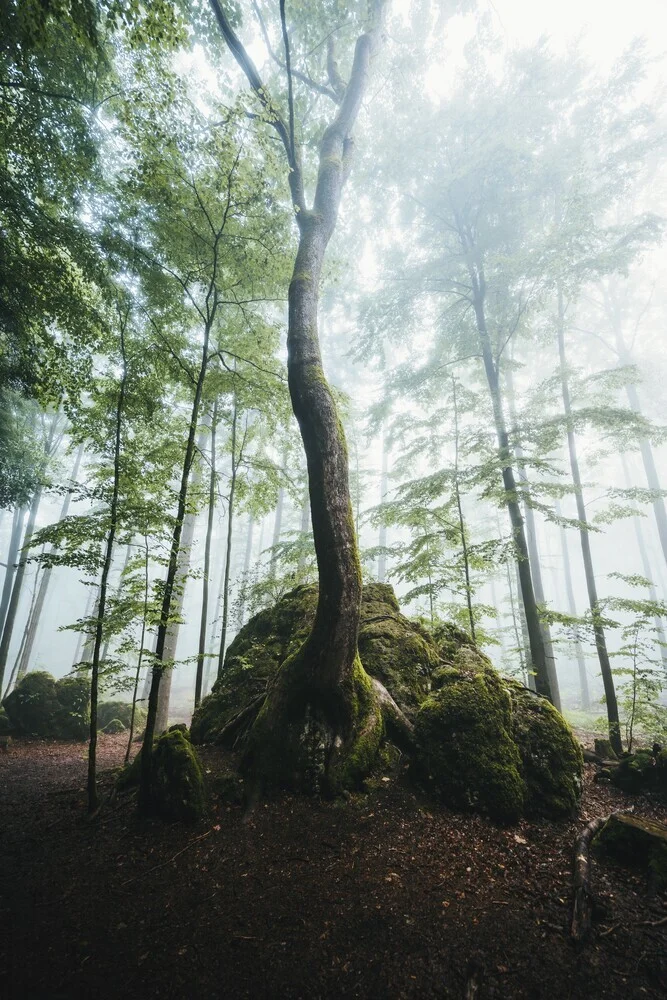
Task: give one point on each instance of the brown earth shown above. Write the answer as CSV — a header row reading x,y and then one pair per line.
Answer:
x,y
385,895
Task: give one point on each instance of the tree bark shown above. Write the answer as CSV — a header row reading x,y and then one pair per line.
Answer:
x,y
320,684
531,538
140,657
34,620
12,564
538,656
277,527
199,679
584,536
93,801
384,490
572,610
230,535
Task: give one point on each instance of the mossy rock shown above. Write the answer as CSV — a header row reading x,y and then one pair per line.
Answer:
x,y
114,727
43,707
121,711
464,732
551,757
635,772
177,779
636,842
396,650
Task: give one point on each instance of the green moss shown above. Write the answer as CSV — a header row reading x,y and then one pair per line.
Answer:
x,y
636,842
635,772
464,734
5,724
43,707
122,712
551,758
357,756
177,780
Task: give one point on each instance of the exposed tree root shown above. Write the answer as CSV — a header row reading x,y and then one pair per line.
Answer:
x,y
397,724
241,721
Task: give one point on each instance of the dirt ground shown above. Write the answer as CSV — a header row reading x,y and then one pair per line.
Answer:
x,y
386,895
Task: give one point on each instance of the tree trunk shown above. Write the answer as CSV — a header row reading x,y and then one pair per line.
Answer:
x,y
12,554
170,581
177,599
538,656
199,679
13,605
598,629
93,802
384,490
572,610
277,526
646,569
117,593
228,549
531,537
34,620
459,509
142,640
321,696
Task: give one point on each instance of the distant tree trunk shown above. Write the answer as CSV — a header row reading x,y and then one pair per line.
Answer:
x,y
17,585
177,600
12,555
384,491
80,646
646,568
540,664
140,657
16,676
531,538
172,570
598,628
117,593
520,637
572,611
277,527
525,638
203,624
230,535
652,479
35,617
459,508
93,801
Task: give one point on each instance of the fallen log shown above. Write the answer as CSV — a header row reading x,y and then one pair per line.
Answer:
x,y
582,906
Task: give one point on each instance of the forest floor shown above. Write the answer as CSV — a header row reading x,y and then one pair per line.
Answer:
x,y
383,896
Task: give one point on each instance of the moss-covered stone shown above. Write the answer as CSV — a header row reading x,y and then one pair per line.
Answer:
x,y
121,711
465,739
551,757
114,727
177,780
43,707
635,772
637,842
396,650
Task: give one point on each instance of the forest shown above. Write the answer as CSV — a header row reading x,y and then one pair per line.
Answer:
x,y
333,502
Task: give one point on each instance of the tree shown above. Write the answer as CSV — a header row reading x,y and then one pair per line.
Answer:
x,y
324,679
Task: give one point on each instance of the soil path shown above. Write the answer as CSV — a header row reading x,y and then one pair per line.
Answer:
x,y
382,896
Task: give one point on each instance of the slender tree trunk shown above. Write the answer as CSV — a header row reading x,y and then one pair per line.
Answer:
x,y
530,674
16,675
117,593
177,601
459,508
80,646
531,538
572,611
598,629
93,801
140,656
538,656
521,639
12,555
277,526
13,605
384,491
172,569
207,565
646,568
228,549
35,617
652,479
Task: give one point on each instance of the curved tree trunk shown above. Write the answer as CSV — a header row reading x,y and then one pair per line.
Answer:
x,y
12,565
321,699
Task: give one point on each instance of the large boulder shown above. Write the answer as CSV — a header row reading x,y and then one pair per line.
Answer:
x,y
464,734
43,707
120,714
397,651
482,742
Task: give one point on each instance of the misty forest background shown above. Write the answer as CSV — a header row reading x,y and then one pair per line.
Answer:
x,y
492,320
